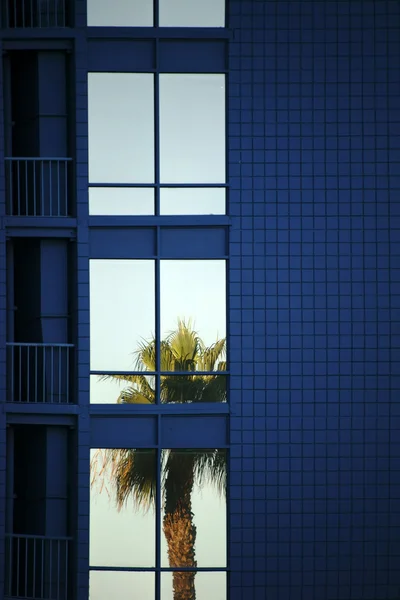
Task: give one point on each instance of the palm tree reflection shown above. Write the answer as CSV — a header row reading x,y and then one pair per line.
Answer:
x,y
133,472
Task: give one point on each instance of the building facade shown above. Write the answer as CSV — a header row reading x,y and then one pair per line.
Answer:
x,y
200,299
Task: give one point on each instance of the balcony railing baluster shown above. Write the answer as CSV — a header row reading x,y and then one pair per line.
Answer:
x,y
39,373
33,179
38,567
34,13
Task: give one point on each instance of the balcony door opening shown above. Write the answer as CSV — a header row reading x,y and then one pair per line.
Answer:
x,y
38,165
39,330
38,518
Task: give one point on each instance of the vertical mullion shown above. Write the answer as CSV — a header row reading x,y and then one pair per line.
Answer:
x,y
27,378
67,374
20,374
26,187
18,189
59,358
50,189
11,188
42,186
66,171
34,163
58,190
158,510
36,365
12,373
155,9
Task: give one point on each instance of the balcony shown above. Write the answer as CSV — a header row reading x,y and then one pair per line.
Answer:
x,y
39,373
37,567
38,187
35,13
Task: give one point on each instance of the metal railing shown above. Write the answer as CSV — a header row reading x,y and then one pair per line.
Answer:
x,y
37,567
35,13
39,373
38,187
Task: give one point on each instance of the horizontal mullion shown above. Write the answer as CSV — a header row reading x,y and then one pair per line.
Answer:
x,y
159,185
155,373
161,569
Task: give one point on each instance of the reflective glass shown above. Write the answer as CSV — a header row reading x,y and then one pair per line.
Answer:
x,y
202,586
194,388
193,312
192,128
106,585
120,13
192,201
122,312
121,389
122,528
192,13
121,201
194,509
121,127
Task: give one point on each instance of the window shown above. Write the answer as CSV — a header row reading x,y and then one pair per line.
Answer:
x,y
121,128
120,13
172,13
169,163
131,334
176,494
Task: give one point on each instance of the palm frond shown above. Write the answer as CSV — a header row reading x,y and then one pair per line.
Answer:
x,y
211,356
131,474
210,468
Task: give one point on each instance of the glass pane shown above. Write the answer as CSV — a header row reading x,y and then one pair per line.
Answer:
x,y
122,528
121,127
120,13
193,305
119,389
192,13
192,201
122,312
198,388
194,509
121,201
192,128
104,585
202,586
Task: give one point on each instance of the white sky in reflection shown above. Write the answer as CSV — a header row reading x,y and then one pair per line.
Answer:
x,y
192,142
139,13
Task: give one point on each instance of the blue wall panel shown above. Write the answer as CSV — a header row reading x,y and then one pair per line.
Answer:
x,y
314,299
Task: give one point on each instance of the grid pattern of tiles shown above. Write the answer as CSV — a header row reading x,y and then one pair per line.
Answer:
x,y
314,139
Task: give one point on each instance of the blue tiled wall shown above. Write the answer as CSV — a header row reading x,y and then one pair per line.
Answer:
x,y
314,151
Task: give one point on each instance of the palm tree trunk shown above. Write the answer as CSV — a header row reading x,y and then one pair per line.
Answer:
x,y
179,528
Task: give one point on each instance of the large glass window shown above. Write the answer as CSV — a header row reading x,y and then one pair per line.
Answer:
x,y
121,127
172,13
137,356
178,167
192,128
184,499
120,13
192,13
